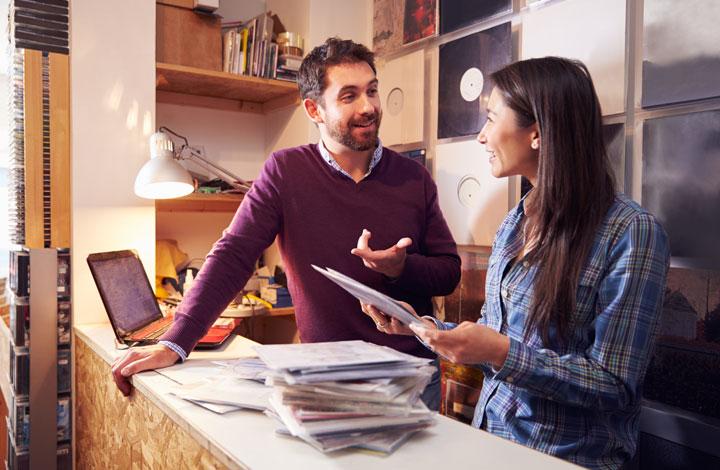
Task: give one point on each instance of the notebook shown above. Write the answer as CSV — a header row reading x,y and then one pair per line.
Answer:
x,y
130,302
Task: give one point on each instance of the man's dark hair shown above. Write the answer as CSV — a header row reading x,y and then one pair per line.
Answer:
x,y
335,51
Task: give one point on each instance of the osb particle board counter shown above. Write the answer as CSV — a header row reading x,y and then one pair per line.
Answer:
x,y
156,430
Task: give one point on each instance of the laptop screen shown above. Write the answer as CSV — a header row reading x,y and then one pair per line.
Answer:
x,y
125,290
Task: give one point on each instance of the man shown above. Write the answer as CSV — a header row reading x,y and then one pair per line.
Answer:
x,y
316,199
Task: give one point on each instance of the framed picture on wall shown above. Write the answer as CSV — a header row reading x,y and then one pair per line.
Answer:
x,y
420,20
680,181
681,56
388,17
456,14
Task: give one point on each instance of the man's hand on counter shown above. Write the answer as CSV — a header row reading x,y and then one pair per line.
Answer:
x,y
139,359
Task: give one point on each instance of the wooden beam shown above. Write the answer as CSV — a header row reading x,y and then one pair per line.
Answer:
x,y
59,151
32,82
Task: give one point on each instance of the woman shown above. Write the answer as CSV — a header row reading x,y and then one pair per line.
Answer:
x,y
575,281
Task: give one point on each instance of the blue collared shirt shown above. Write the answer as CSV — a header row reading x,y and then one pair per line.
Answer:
x,y
376,156
578,400
175,348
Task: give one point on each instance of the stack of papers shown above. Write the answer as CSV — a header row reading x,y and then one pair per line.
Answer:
x,y
222,387
347,393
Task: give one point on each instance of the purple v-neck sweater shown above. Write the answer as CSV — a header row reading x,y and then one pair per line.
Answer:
x,y
318,215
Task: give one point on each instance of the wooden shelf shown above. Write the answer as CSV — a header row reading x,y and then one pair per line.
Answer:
x,y
180,84
199,202
281,311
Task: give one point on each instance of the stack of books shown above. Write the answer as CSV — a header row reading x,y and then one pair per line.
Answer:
x,y
251,48
248,47
288,67
347,394
290,49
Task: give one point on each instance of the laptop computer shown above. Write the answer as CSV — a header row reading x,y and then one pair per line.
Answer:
x,y
130,302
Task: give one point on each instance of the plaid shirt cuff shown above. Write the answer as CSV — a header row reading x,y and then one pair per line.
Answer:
x,y
440,324
518,364
177,349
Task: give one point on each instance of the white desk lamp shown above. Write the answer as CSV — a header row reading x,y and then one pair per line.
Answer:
x,y
164,178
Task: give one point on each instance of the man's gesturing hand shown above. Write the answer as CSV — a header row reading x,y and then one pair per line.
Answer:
x,y
389,262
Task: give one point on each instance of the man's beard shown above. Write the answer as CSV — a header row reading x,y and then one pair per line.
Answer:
x,y
343,134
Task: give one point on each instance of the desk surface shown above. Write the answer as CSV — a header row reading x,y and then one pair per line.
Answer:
x,y
248,439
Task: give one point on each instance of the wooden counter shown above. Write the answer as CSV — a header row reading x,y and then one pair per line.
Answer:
x,y
153,429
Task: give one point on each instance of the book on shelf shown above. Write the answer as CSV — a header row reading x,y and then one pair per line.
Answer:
x,y
289,62
228,49
286,76
243,45
249,48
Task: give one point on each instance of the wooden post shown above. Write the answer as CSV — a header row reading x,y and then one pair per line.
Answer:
x,y
33,108
59,151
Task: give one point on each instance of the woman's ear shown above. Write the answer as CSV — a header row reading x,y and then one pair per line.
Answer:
x,y
535,137
313,111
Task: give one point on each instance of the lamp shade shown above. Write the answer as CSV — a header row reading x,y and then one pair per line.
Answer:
x,y
162,177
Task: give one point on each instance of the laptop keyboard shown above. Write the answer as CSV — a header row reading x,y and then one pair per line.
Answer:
x,y
153,331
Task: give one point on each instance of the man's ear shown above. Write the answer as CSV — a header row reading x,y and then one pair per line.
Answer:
x,y
313,111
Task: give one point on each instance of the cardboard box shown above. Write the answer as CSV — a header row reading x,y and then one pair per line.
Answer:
x,y
184,37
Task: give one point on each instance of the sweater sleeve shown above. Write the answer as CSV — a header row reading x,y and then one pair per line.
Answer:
x,y
435,269
231,261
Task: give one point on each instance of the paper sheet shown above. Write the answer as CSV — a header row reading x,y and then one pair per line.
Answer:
x,y
193,370
368,295
226,391
331,356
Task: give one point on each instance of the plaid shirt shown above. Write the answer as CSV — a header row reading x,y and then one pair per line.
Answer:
x,y
579,401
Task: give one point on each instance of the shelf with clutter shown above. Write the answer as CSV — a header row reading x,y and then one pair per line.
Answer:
x,y
181,84
249,66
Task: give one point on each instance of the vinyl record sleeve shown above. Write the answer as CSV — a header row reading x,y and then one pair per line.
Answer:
x,y
402,88
472,200
456,14
587,30
681,51
463,84
420,20
370,296
681,171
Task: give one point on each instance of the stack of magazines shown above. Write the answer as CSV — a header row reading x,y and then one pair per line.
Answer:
x,y
347,394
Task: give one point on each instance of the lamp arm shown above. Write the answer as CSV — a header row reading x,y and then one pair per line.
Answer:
x,y
194,154
170,131
225,175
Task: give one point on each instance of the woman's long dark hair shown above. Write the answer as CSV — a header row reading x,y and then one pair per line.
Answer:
x,y
574,188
